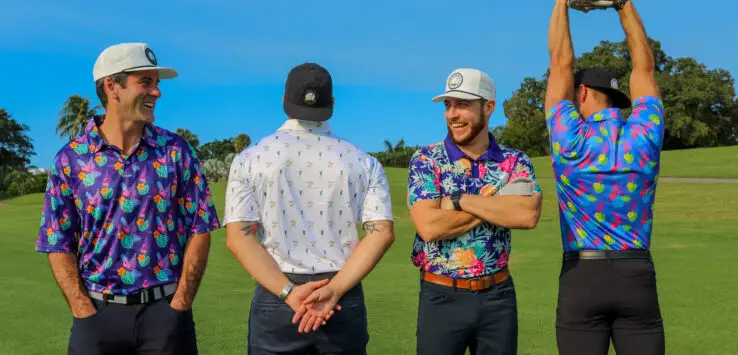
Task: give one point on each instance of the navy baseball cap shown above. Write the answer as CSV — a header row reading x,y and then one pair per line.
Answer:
x,y
308,93
603,80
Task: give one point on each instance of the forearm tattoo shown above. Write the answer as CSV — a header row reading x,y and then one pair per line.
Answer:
x,y
370,227
250,229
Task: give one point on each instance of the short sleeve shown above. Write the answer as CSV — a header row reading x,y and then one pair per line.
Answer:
x,y
196,204
648,113
523,170
377,204
240,197
423,181
60,224
566,130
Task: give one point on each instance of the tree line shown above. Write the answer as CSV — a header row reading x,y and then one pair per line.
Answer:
x,y
700,103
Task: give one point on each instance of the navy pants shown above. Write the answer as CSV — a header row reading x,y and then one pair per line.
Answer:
x,y
271,331
452,320
143,329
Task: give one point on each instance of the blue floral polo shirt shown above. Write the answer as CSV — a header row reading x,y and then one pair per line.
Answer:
x,y
441,169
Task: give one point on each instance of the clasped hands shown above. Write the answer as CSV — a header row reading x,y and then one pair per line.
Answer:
x,y
314,304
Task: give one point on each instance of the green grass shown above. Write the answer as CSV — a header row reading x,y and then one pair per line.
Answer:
x,y
694,248
691,163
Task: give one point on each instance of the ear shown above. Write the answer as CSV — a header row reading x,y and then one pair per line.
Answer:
x,y
583,92
109,87
334,100
489,108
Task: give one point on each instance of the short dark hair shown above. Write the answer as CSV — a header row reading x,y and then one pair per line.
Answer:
x,y
118,78
608,99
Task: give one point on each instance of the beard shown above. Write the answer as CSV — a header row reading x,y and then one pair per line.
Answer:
x,y
476,129
136,111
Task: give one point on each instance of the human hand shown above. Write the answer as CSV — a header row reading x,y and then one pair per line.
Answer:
x,y
589,5
178,305
446,203
320,305
85,311
299,294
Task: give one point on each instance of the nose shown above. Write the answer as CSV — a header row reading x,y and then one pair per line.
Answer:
x,y
156,92
451,112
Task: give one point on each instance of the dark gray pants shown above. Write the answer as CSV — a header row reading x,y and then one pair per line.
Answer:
x,y
271,331
451,320
152,329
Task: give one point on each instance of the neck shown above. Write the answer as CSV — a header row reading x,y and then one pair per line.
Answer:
x,y
121,133
594,109
478,146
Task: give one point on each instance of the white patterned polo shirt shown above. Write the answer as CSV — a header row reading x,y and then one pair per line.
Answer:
x,y
308,189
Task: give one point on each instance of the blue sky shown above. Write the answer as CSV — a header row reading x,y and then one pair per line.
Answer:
x,y
387,58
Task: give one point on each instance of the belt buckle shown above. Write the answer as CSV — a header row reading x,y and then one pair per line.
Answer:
x,y
144,297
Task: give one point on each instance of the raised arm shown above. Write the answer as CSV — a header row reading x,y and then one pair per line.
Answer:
x,y
643,77
561,78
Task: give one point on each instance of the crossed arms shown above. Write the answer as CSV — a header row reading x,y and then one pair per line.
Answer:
x,y
436,219
561,51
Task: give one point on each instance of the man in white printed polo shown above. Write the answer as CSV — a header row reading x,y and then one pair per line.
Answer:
x,y
292,204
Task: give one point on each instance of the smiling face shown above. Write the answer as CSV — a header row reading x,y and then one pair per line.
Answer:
x,y
135,101
466,120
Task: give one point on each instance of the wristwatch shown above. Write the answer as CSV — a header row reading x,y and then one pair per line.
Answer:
x,y
286,291
455,197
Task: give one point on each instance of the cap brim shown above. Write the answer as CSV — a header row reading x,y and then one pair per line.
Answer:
x,y
307,113
619,99
456,95
164,72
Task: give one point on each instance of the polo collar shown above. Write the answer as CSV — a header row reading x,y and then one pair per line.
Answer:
x,y
606,114
95,141
294,125
494,152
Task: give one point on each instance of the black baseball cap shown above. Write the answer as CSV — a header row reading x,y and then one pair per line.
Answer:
x,y
603,80
308,93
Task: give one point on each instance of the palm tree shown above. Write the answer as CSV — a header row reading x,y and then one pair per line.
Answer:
x,y
190,137
389,148
75,115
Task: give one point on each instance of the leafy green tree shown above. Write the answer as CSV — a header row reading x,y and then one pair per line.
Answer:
x,y
16,148
217,149
241,142
188,136
20,182
700,103
74,116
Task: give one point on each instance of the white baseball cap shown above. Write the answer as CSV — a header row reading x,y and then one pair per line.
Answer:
x,y
468,84
126,58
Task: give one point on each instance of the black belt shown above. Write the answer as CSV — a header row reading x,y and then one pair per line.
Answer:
x,y
145,296
607,254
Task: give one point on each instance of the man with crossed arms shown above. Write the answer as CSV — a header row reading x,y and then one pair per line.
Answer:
x,y
606,169
465,194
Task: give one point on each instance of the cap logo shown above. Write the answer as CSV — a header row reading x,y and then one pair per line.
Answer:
x,y
310,97
455,81
150,56
614,83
